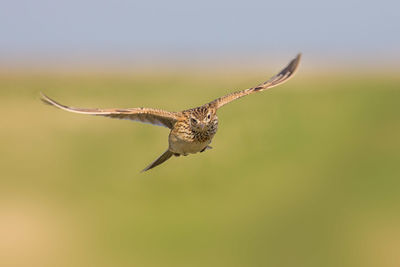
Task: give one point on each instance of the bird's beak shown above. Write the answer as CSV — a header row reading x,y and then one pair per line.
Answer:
x,y
202,126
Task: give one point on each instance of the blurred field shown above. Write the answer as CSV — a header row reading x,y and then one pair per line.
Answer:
x,y
306,174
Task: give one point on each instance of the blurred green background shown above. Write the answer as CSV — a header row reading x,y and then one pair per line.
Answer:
x,y
306,174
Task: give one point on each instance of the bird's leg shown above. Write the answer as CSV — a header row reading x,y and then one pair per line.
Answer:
x,y
176,154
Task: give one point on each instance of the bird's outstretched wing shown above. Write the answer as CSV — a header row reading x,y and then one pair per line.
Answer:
x,y
279,78
145,115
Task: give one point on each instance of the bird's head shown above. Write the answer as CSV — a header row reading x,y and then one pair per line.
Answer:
x,y
202,119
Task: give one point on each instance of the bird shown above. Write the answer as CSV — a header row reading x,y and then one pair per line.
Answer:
x,y
191,130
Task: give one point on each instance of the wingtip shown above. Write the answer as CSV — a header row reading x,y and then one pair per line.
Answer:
x,y
44,98
47,100
295,62
298,57
42,95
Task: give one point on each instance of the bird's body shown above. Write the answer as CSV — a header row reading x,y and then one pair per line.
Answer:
x,y
192,130
185,138
180,145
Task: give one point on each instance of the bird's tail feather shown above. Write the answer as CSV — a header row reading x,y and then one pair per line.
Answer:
x,y
164,157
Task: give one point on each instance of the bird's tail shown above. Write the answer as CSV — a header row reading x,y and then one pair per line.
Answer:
x,y
164,157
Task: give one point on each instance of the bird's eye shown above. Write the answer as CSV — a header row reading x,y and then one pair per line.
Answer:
x,y
208,116
194,121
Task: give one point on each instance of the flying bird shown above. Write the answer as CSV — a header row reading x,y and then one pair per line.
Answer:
x,y
192,130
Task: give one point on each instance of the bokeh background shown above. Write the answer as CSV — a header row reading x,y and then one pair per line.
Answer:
x,y
306,174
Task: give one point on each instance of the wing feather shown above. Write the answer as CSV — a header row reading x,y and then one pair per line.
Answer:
x,y
146,115
279,78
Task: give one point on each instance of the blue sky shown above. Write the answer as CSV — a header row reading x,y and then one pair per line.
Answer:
x,y
204,29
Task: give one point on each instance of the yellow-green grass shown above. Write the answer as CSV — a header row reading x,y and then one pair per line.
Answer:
x,y
306,174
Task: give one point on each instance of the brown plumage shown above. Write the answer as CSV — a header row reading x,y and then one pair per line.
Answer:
x,y
191,130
